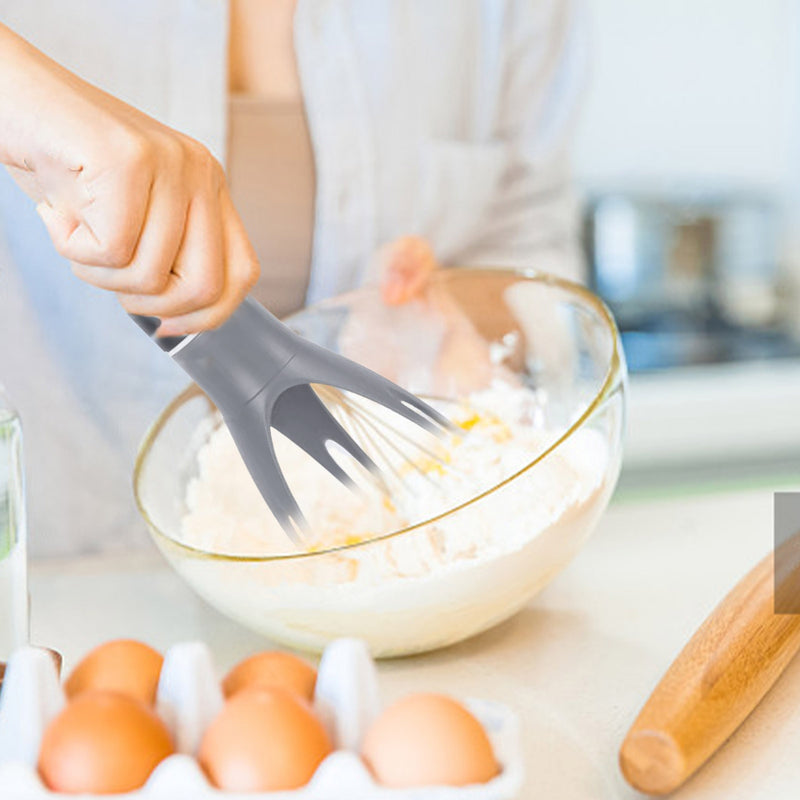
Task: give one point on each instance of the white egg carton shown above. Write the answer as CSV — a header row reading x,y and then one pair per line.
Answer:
x,y
189,697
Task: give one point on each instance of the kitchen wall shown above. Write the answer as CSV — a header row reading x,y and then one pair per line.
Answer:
x,y
696,93
701,95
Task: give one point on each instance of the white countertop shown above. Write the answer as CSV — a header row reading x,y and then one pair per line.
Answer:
x,y
694,415
577,663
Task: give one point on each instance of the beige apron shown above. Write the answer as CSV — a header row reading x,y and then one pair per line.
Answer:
x,y
271,176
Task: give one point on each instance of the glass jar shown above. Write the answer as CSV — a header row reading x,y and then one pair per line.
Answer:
x,y
13,534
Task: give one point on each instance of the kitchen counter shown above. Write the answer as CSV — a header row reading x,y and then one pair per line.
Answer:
x,y
577,663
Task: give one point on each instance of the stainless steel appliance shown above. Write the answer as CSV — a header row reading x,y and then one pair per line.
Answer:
x,y
693,278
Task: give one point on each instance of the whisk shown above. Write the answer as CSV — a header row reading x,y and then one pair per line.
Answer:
x,y
399,450
259,375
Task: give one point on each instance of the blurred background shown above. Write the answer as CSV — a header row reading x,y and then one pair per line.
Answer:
x,y
688,163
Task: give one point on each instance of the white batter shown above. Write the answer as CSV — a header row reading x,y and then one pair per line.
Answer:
x,y
500,433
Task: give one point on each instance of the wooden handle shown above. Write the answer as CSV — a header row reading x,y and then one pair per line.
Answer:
x,y
717,680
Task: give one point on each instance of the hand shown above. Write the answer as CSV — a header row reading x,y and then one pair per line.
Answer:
x,y
443,353
138,208
405,266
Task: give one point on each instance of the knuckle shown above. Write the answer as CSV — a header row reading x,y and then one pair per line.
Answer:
x,y
253,274
204,162
93,277
118,250
174,151
132,305
217,175
152,282
64,250
216,316
198,151
80,271
205,293
136,150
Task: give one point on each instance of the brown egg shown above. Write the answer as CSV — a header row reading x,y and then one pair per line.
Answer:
x,y
272,670
102,743
263,740
428,740
126,666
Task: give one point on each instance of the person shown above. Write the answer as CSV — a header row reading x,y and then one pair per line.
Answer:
x,y
397,127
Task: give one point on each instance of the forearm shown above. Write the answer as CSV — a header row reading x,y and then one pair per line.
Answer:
x,y
34,90
19,65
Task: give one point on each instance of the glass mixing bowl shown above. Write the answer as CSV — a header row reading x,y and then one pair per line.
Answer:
x,y
552,335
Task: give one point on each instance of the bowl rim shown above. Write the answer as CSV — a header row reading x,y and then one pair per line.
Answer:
x,y
615,376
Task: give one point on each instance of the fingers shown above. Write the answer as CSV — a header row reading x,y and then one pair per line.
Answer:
x,y
148,271
240,274
61,225
197,276
406,267
181,271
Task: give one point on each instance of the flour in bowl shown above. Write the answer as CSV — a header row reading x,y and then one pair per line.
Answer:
x,y
500,433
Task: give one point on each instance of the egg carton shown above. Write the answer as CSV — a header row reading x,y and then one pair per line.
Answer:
x,y
189,697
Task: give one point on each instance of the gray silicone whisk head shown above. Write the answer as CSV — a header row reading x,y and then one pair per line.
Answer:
x,y
259,375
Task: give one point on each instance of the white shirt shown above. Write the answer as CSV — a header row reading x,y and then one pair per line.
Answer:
x,y
450,120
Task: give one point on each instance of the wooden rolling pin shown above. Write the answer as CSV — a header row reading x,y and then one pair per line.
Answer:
x,y
729,664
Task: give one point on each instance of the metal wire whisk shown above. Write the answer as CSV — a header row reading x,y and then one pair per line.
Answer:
x,y
399,449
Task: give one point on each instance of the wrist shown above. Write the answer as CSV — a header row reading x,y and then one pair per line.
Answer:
x,y
30,87
14,122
